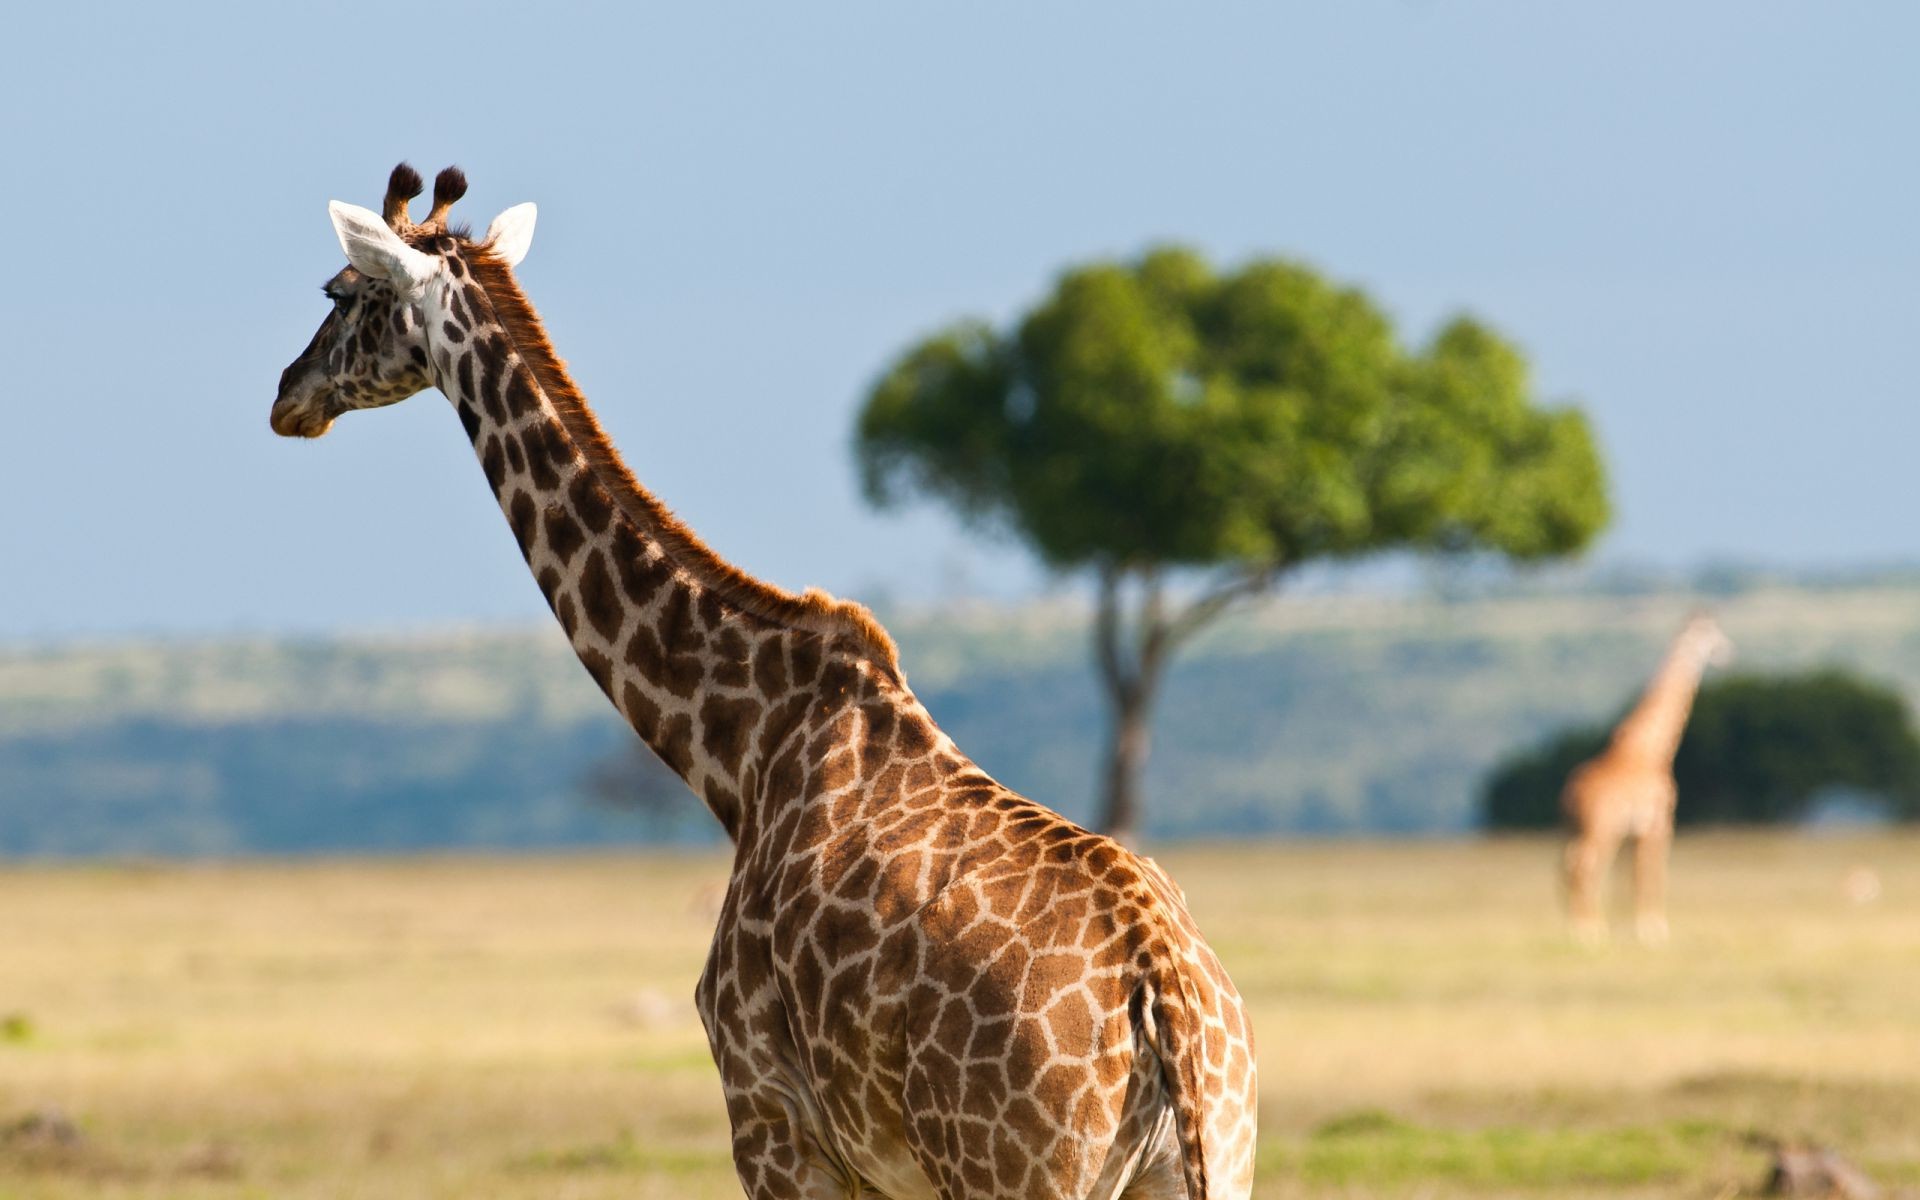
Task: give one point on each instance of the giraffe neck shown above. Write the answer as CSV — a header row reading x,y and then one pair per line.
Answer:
x,y
1651,731
715,671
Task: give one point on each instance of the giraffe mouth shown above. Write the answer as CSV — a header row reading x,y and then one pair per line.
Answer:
x,y
301,419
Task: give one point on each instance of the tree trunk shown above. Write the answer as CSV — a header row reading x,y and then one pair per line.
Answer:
x,y
1131,655
1130,667
1126,758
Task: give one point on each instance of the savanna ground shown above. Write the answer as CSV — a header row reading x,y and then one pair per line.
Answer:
x,y
523,1027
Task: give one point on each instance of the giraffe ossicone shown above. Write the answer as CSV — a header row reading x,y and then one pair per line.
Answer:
x,y
921,984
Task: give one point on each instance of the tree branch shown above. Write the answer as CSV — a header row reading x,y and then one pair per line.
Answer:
x,y
1154,633
1250,582
1106,633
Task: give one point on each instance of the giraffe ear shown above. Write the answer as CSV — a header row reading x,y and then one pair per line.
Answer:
x,y
511,233
376,250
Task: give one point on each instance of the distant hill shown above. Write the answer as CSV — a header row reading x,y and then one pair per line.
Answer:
x,y
1310,716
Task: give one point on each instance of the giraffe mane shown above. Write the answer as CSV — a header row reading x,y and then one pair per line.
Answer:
x,y
813,609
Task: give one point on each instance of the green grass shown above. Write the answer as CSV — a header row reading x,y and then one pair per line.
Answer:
x,y
1374,1148
511,1028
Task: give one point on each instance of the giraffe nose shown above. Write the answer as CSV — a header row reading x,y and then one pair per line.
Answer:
x,y
282,420
300,420
301,414
299,408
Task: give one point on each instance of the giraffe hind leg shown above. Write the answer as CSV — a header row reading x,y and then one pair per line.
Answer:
x,y
1587,860
1650,853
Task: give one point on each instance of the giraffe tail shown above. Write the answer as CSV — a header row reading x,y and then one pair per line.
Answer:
x,y
1178,1036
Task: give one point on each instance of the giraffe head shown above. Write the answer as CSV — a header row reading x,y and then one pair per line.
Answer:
x,y
1703,637
375,347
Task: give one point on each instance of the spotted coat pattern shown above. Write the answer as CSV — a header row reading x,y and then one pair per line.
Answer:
x,y
921,984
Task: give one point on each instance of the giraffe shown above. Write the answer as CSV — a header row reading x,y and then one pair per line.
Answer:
x,y
1627,791
921,984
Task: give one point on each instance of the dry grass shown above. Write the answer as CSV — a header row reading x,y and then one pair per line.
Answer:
x,y
522,1028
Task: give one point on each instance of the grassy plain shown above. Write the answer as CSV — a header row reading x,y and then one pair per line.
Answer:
x,y
523,1027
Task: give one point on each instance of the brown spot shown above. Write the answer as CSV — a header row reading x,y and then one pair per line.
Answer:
x,y
490,349
711,611
1073,1020
731,655
522,516
914,734
834,773
725,806
1035,1129
640,576
803,652
600,668
643,714
677,631
549,581
599,598
676,743
982,1086
770,667
518,395
1009,1163
544,447
787,779
562,533
837,678
726,728
989,1037
492,354
590,501
464,377
494,463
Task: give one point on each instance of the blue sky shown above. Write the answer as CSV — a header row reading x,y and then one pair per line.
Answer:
x,y
1699,220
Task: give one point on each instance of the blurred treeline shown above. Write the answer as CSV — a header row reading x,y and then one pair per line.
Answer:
x,y
1330,715
1760,749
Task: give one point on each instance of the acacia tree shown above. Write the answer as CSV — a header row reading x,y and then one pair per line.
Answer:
x,y
1190,436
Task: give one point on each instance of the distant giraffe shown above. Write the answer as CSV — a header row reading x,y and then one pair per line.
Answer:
x,y
921,984
1628,790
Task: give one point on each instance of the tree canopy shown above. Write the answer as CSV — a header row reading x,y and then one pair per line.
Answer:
x,y
1759,749
1159,413
1157,416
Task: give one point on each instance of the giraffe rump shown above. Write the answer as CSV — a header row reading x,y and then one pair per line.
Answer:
x,y
1178,1040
